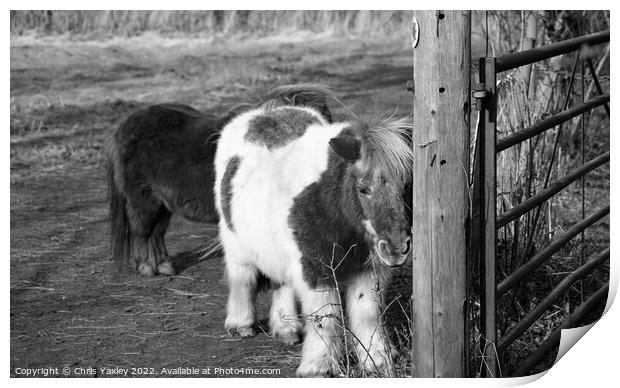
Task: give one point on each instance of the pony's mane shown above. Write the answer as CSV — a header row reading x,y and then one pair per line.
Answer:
x,y
308,94
303,95
387,146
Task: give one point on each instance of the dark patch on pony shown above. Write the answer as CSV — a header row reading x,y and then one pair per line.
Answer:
x,y
226,191
276,128
326,236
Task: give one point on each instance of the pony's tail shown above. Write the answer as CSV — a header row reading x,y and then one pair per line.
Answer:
x,y
212,249
120,231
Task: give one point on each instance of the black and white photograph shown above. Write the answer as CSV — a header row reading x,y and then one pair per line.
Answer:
x,y
306,193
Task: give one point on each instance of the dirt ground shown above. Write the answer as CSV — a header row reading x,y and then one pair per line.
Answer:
x,y
68,306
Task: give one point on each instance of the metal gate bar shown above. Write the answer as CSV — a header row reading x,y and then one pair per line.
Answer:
x,y
550,122
484,232
512,61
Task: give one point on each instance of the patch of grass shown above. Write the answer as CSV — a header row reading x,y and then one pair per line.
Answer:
x,y
131,23
67,117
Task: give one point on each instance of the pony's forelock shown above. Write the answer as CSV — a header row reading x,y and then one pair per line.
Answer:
x,y
387,146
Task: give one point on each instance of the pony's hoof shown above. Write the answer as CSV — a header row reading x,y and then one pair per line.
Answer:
x,y
287,335
165,268
145,269
319,367
246,331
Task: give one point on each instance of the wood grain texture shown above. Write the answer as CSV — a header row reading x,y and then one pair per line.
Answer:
x,y
441,73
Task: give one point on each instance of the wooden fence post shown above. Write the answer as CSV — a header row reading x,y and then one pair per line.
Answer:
x,y
441,83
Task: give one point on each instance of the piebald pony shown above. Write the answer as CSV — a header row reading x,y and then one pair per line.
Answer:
x,y
315,207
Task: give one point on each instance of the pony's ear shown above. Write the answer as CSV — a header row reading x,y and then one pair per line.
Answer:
x,y
346,146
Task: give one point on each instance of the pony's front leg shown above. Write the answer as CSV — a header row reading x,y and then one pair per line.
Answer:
x,y
321,351
284,320
364,301
241,313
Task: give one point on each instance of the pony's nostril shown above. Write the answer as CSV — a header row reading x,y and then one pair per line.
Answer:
x,y
407,247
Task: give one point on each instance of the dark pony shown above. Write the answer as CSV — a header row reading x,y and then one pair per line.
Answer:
x,y
160,162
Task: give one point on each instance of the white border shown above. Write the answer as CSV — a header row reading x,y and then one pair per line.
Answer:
x,y
591,362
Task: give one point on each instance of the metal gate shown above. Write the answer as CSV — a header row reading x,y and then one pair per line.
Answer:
x,y
486,222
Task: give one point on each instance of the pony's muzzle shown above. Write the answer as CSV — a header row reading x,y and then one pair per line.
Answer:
x,y
393,258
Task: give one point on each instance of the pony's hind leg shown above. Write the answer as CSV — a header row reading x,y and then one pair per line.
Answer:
x,y
142,216
156,244
284,320
242,283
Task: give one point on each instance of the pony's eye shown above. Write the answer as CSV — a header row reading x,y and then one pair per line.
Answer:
x,y
364,190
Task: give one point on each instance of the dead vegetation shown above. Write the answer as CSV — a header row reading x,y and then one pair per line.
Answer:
x,y
130,23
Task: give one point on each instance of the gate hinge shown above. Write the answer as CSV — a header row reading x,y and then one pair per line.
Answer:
x,y
480,93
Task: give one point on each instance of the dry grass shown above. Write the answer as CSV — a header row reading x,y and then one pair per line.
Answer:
x,y
223,23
